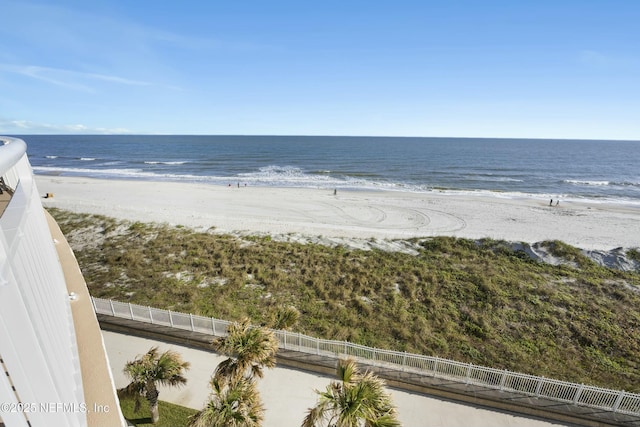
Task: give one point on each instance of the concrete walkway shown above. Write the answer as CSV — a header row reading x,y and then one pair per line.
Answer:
x,y
287,393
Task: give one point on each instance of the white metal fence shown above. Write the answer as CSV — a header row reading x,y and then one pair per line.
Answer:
x,y
561,391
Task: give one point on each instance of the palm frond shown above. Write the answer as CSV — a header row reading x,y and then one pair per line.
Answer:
x,y
356,399
231,405
146,370
314,416
387,420
227,370
250,350
347,370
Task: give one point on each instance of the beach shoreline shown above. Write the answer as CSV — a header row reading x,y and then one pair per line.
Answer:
x,y
347,215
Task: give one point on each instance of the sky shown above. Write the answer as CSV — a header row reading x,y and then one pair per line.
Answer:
x,y
442,68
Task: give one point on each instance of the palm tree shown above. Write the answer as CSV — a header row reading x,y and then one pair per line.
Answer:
x,y
147,371
231,405
235,400
356,400
250,349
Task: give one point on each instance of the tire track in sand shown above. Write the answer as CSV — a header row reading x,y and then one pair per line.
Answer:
x,y
429,221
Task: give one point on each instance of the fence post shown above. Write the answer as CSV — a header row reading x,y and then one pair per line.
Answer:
x,y
170,318
213,326
285,339
191,319
113,311
150,315
503,380
435,366
578,393
404,360
318,346
468,379
131,311
616,405
539,386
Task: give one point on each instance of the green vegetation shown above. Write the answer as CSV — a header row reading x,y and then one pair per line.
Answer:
x,y
235,399
235,404
571,255
250,350
474,302
355,399
149,370
634,254
172,415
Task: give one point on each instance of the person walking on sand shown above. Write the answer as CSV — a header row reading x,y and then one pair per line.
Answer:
x,y
551,202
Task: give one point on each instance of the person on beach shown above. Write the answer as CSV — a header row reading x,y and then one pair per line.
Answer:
x,y
551,202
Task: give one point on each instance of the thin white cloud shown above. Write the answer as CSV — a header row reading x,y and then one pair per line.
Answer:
x,y
113,79
29,127
68,78
44,74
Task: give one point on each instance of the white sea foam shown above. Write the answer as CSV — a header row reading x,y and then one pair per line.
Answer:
x,y
584,182
118,173
275,170
151,162
87,159
287,176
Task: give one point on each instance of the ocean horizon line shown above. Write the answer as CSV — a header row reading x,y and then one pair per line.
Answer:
x,y
277,135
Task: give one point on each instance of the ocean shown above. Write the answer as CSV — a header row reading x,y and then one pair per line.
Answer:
x,y
560,169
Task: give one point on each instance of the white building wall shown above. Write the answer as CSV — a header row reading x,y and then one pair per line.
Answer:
x,y
37,337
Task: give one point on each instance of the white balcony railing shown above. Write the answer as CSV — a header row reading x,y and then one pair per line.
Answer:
x,y
42,385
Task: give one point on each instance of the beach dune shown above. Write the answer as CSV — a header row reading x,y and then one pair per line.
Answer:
x,y
350,215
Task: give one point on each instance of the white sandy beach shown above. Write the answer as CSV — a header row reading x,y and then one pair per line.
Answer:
x,y
348,214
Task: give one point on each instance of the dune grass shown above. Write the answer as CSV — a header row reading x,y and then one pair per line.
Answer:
x,y
477,302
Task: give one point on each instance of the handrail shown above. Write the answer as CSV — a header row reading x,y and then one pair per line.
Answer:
x,y
617,401
11,151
